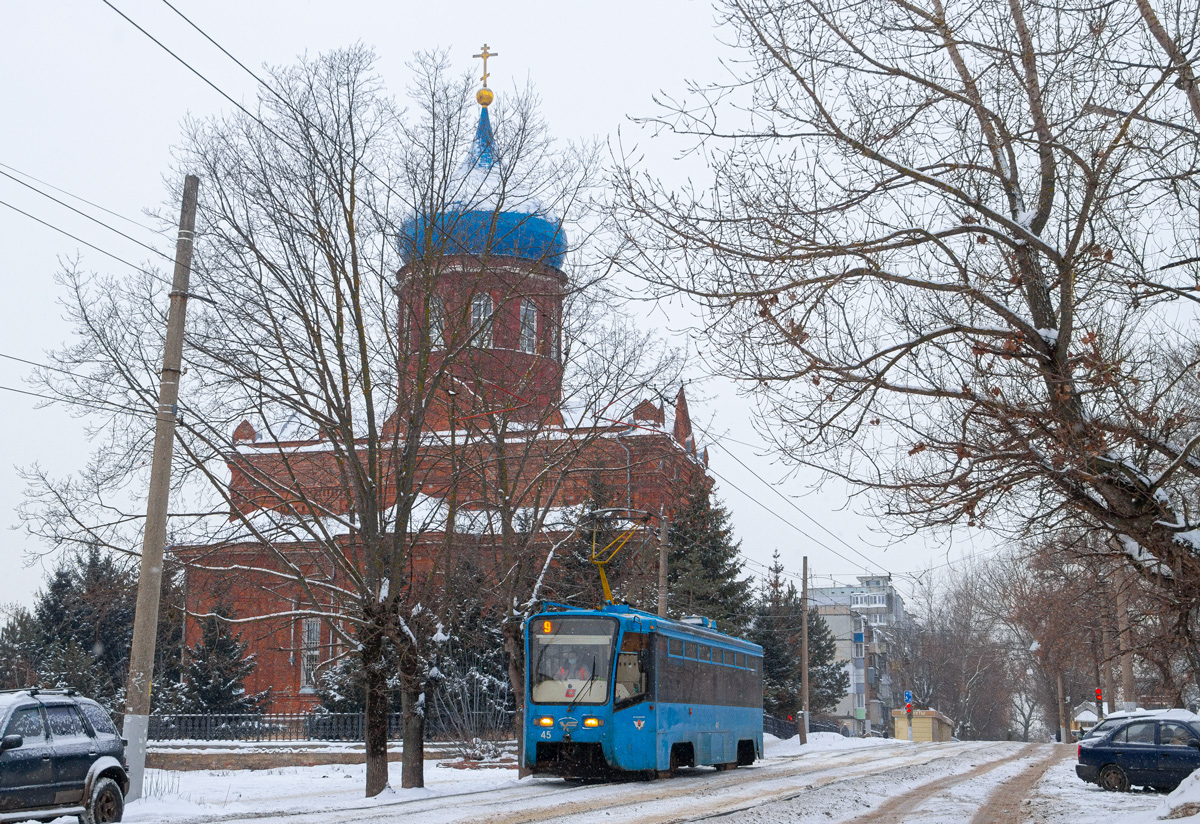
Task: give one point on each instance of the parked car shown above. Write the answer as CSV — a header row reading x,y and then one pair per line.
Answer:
x,y
1116,719
1147,749
60,754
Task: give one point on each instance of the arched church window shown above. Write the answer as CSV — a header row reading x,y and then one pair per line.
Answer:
x,y
481,320
528,339
437,323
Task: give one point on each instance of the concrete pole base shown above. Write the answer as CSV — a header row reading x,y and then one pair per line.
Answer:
x,y
136,730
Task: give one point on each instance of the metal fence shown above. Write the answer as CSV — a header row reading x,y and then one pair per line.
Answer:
x,y
316,726
778,727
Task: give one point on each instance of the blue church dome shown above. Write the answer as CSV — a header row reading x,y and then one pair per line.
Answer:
x,y
480,225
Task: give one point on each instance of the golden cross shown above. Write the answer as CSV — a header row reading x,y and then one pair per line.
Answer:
x,y
485,54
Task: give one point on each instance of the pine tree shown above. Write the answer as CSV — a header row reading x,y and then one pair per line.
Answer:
x,y
778,629
703,570
80,630
215,679
20,650
630,576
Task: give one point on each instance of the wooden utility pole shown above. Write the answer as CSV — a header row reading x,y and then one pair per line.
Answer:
x,y
803,727
1063,722
663,529
145,619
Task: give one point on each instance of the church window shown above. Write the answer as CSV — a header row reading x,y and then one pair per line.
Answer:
x,y
481,320
310,651
437,323
558,353
528,339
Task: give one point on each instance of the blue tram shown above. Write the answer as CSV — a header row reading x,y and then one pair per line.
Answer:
x,y
618,689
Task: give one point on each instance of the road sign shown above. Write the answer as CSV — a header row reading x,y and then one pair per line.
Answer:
x,y
908,696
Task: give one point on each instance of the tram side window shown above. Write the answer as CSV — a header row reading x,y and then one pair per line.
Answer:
x,y
688,680
633,678
703,652
674,646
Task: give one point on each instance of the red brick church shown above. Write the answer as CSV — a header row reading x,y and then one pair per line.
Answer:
x,y
500,286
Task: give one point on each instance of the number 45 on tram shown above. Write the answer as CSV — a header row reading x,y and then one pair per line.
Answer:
x,y
616,689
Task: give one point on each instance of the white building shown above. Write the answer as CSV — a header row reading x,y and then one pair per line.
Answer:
x,y
859,618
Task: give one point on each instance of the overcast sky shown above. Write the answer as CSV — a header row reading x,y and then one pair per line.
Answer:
x,y
92,106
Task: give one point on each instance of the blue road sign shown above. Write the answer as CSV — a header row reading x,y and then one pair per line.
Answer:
x,y
908,696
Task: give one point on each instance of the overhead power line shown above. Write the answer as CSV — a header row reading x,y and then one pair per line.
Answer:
x,y
796,507
82,213
792,504
300,114
76,238
102,406
81,199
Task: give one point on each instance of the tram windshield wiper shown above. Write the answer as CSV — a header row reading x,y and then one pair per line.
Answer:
x,y
587,685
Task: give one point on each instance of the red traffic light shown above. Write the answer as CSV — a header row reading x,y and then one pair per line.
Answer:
x,y
1099,694
908,708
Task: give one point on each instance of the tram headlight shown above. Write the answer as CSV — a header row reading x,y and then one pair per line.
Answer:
x,y
593,722
545,721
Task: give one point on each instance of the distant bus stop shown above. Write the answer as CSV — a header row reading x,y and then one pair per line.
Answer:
x,y
927,725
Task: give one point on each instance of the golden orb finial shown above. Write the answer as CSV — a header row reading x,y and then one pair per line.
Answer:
x,y
484,96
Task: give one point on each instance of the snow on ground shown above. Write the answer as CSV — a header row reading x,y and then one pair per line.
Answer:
x,y
196,794
889,780
174,795
777,748
1062,797
1181,805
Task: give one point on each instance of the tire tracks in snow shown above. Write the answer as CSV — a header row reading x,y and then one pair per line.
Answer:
x,y
895,810
1005,805
713,799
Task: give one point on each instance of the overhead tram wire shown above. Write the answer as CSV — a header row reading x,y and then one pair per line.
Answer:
x,y
788,500
370,172
789,523
97,221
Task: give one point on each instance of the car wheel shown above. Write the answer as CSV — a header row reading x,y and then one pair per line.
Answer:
x,y
107,804
1114,778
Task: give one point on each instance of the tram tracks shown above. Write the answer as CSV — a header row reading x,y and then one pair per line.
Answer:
x,y
741,790
708,794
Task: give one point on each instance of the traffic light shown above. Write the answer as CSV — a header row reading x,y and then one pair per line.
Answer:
x,y
1099,695
908,709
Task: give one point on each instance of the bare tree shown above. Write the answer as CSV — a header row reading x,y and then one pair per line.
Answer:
x,y
331,371
952,657
951,250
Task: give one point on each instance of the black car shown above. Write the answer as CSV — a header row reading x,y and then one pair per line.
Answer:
x,y
59,755
1156,751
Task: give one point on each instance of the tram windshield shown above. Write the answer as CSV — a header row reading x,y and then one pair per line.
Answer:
x,y
570,659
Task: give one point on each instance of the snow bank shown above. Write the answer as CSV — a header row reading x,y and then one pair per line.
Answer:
x,y
171,795
1184,803
817,741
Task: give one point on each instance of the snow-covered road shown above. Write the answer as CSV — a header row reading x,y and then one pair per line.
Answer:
x,y
833,781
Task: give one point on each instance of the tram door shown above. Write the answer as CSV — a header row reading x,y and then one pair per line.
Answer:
x,y
634,725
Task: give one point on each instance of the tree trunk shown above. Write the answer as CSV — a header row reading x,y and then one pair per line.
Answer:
x,y
514,645
1125,640
376,717
1109,684
412,734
